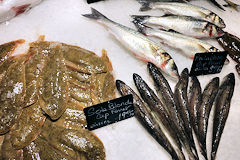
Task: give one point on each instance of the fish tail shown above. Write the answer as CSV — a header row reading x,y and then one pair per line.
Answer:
x,y
217,4
96,15
140,19
140,27
232,5
145,5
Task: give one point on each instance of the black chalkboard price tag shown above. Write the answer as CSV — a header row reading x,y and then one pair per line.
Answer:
x,y
109,112
92,1
208,63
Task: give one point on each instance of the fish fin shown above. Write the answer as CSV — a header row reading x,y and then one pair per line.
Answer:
x,y
167,15
232,5
173,31
95,15
217,4
145,5
140,27
140,19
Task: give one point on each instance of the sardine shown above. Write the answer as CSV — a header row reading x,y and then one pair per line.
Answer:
x,y
216,4
182,24
143,114
187,45
222,107
208,97
231,44
144,48
185,9
230,4
12,8
195,99
181,97
167,97
156,106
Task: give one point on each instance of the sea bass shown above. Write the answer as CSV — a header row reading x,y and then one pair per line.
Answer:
x,y
182,24
12,8
142,47
185,9
189,46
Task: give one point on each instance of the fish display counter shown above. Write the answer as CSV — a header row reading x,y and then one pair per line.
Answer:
x,y
96,52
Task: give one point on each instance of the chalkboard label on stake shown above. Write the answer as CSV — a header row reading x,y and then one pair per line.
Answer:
x,y
109,112
208,63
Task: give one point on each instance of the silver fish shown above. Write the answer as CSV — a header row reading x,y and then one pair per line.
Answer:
x,y
142,47
230,4
185,9
189,46
182,24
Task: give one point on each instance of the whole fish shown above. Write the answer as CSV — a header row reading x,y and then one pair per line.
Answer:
x,y
185,9
230,4
208,97
216,4
181,97
222,107
12,8
182,24
159,110
143,114
231,44
195,99
189,46
167,97
142,47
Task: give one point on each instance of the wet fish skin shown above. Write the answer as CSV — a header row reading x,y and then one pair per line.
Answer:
x,y
182,24
142,113
189,46
142,47
195,99
208,97
167,97
222,107
12,92
231,44
181,97
155,105
185,9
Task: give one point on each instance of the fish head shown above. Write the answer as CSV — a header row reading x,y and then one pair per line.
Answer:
x,y
212,30
123,88
217,20
169,68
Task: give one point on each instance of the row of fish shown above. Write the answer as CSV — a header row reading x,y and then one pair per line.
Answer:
x,y
201,25
172,117
147,3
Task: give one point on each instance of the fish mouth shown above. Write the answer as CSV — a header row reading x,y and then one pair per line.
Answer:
x,y
220,32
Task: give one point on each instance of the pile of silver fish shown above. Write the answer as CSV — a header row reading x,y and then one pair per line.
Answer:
x,y
172,117
180,27
229,3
